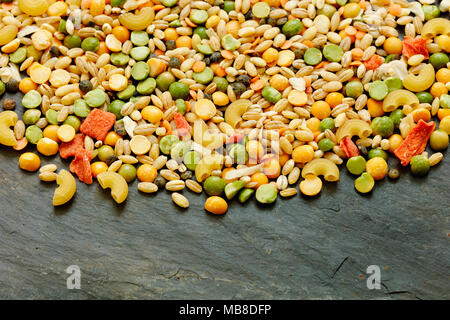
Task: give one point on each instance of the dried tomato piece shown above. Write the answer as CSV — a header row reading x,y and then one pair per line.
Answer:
x,y
413,46
181,124
71,148
374,62
98,123
350,149
416,141
81,166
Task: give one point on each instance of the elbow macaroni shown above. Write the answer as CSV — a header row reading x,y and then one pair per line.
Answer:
x,y
118,185
7,119
234,112
420,82
436,26
205,167
321,166
398,98
353,127
204,137
66,188
138,21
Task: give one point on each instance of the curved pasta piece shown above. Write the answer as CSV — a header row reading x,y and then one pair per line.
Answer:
x,y
33,7
322,167
7,119
67,187
420,82
203,136
8,33
117,183
353,127
138,21
234,112
399,98
436,26
208,163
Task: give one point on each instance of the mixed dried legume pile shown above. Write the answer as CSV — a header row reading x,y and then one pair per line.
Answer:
x,y
234,98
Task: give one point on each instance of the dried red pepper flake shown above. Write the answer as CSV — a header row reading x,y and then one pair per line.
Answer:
x,y
349,147
416,141
374,62
70,149
235,138
182,125
81,166
413,46
98,123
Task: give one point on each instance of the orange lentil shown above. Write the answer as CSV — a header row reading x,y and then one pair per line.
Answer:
x,y
170,34
394,142
438,89
321,110
421,113
334,99
260,178
121,33
26,84
395,9
98,167
147,173
198,66
184,41
111,138
443,75
313,124
216,205
442,113
357,53
375,108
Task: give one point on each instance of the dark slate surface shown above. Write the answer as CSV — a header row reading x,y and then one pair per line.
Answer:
x,y
147,248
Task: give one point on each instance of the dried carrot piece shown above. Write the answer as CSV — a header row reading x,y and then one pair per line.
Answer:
x,y
7,6
256,42
321,65
226,54
308,43
182,125
413,46
349,147
374,62
416,141
158,7
287,44
166,125
258,85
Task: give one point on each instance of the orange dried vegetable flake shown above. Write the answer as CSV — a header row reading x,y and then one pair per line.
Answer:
x,y
374,62
413,46
416,141
349,147
98,123
81,166
70,149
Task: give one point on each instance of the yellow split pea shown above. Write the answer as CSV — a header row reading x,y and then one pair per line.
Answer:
x,y
220,98
140,145
205,109
59,78
66,133
297,98
118,82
